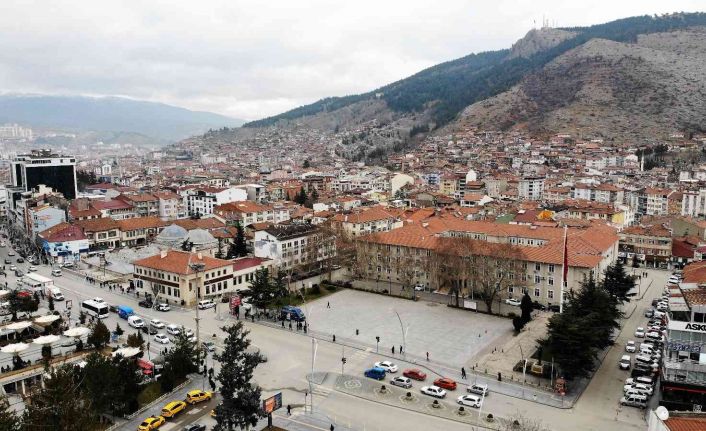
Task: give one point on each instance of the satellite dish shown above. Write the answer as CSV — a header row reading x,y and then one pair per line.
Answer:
x,y
662,413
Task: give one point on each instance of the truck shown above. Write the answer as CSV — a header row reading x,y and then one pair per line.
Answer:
x,y
124,311
55,293
37,282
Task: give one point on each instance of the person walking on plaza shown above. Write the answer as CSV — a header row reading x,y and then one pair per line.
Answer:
x,y
463,373
427,356
393,350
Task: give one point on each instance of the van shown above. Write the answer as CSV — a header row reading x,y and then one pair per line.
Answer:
x,y
289,312
205,304
56,272
135,322
634,400
55,293
124,311
376,373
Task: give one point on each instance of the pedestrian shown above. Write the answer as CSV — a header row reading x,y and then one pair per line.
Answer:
x,y
290,325
328,304
463,373
393,350
400,349
289,410
332,427
427,356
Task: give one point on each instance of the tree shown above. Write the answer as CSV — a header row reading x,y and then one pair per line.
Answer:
x,y
301,197
135,340
52,409
306,164
240,406
526,307
22,303
617,282
182,358
518,322
8,419
494,269
118,330
239,248
261,289
314,196
517,422
110,383
187,245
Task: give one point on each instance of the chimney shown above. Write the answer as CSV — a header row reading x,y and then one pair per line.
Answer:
x,y
163,253
199,256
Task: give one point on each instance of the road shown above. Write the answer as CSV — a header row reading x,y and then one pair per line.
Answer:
x,y
289,362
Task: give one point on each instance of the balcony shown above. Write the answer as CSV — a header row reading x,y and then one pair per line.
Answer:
x,y
684,365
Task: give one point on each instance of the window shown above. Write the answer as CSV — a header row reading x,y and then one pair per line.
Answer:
x,y
537,267
551,267
537,279
550,294
550,281
510,290
537,292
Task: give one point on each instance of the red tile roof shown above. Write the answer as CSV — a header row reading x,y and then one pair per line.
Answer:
x,y
62,232
247,262
141,223
686,423
178,262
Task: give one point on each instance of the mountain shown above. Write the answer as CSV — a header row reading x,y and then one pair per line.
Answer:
x,y
436,96
637,91
115,114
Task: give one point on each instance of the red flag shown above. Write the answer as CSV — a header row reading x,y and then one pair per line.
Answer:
x,y
565,268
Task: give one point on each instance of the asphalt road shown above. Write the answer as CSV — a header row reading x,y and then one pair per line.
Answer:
x,y
290,360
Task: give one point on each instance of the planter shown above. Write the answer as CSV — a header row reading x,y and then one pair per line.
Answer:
x,y
409,396
436,404
490,418
461,411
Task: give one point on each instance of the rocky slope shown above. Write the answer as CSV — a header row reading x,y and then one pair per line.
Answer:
x,y
635,91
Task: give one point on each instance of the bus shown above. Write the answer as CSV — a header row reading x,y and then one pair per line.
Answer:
x,y
37,282
95,309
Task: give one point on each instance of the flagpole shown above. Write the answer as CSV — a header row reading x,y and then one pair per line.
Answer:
x,y
564,272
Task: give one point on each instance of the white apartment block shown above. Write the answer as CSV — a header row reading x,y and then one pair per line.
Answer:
x,y
531,188
203,200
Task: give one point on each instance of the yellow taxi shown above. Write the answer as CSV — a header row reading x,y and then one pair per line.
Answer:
x,y
173,408
151,423
197,396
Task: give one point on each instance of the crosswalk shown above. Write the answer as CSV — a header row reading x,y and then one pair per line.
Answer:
x,y
322,391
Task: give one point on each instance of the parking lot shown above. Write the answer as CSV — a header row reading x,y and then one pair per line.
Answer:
x,y
451,336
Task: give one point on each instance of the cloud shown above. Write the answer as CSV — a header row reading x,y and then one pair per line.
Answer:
x,y
250,59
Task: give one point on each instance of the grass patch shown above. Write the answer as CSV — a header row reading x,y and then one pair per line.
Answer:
x,y
149,393
310,294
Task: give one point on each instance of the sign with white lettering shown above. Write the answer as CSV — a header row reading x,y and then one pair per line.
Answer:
x,y
686,326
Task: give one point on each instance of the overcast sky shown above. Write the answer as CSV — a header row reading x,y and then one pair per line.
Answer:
x,y
250,59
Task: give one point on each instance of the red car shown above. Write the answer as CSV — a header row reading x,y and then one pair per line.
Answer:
x,y
445,383
415,374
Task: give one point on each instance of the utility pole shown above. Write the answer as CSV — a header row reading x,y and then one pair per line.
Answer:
x,y
198,268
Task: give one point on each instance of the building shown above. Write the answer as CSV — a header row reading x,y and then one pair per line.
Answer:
x,y
530,188
102,233
63,243
657,201
171,276
249,212
140,231
414,251
363,222
294,246
651,245
45,167
145,204
201,201
244,271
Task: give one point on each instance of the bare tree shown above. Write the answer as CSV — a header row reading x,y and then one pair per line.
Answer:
x,y
494,267
451,264
517,422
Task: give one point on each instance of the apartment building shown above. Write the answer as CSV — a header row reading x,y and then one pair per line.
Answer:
x,y
202,200
365,221
651,245
530,188
140,231
63,243
145,204
657,201
102,233
249,212
294,246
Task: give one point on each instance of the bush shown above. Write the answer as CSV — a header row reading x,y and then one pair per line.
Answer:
x,y
518,323
512,314
151,392
315,289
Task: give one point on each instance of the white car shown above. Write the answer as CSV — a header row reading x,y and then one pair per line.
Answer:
x,y
387,366
162,307
513,301
469,400
419,288
478,389
402,382
639,387
625,362
673,280
644,380
161,338
13,267
31,268
10,253
630,347
433,391
156,323
174,329
640,332
653,335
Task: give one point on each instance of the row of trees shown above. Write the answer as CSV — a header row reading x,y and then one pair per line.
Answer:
x,y
306,199
586,326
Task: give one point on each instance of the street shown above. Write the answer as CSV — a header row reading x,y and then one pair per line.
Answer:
x,y
289,363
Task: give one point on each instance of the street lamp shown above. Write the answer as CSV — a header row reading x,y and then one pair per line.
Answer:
x,y
313,350
198,268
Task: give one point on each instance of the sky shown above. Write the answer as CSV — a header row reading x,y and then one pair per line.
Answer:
x,y
252,59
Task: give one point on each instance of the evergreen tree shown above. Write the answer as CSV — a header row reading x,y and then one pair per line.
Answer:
x,y
306,164
240,407
301,197
135,340
240,244
127,385
617,282
314,196
59,405
118,330
526,307
99,336
98,378
219,252
182,358
261,289
8,419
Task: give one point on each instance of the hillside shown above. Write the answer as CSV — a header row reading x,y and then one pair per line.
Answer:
x,y
615,90
114,114
438,94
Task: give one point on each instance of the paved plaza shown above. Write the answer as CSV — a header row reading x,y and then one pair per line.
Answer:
x,y
451,336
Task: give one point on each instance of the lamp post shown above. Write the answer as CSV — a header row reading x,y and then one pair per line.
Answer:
x,y
198,268
404,334
313,351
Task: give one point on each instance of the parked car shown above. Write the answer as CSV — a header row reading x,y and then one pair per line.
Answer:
x,y
433,391
537,306
415,374
161,338
195,427
630,346
402,382
639,401
157,323
554,308
387,366
625,362
150,330
640,332
20,260
31,268
419,287
639,387
478,388
173,408
446,383
196,396
641,379
513,301
145,303
469,401
375,373
163,307
206,304
208,346
151,423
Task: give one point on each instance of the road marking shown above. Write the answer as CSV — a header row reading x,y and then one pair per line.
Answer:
x,y
290,418
320,390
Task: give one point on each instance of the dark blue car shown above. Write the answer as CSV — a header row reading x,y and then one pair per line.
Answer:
x,y
290,312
